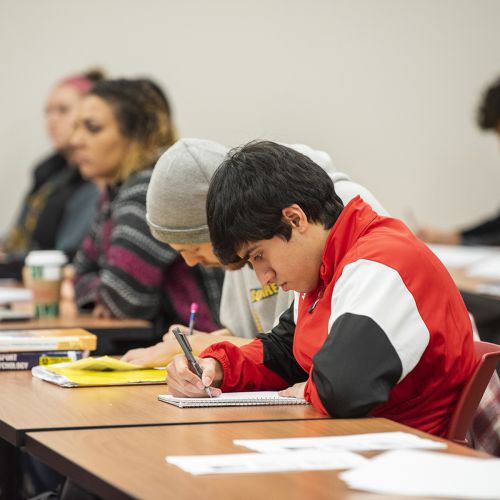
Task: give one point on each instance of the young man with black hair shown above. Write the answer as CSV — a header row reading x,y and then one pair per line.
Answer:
x,y
377,327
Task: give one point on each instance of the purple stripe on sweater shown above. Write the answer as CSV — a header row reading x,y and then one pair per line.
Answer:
x,y
89,248
183,289
106,231
141,270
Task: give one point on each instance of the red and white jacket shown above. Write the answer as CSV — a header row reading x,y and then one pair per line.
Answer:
x,y
385,334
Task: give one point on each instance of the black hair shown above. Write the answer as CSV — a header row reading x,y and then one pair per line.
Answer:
x,y
488,116
253,185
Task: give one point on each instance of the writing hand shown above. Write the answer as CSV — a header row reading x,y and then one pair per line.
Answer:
x,y
183,382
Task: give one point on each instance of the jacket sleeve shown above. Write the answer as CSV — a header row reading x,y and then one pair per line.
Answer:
x,y
376,338
78,214
267,363
87,279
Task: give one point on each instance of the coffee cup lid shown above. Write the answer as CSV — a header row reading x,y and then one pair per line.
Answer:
x,y
46,258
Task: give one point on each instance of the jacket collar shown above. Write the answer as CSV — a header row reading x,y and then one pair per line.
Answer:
x,y
352,223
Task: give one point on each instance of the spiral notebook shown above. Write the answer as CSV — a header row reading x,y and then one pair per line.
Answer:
x,y
233,399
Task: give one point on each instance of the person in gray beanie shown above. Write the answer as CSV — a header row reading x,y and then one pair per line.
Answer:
x,y
176,215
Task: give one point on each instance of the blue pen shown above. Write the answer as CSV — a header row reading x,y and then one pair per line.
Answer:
x,y
194,308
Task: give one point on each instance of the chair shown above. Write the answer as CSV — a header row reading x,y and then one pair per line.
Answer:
x,y
488,356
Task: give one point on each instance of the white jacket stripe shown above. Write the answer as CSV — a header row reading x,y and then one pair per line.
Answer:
x,y
372,289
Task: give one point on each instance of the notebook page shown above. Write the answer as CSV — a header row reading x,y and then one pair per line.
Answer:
x,y
233,399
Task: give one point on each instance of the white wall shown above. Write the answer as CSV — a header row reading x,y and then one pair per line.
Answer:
x,y
388,87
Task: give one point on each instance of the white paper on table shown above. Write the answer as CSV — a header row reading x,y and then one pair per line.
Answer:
x,y
238,463
357,442
487,268
462,256
489,288
423,473
11,294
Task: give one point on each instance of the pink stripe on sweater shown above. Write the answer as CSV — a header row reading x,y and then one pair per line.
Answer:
x,y
141,270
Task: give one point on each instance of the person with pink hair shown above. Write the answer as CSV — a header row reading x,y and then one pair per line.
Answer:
x,y
59,206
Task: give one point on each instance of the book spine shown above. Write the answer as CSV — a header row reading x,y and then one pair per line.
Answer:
x,y
27,360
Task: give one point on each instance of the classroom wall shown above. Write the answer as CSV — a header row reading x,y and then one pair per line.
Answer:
x,y
388,87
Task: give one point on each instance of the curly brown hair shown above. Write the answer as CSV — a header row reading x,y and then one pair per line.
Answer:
x,y
144,117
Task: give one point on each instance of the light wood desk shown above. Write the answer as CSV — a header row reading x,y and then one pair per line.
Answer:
x,y
80,321
470,284
130,463
29,404
110,332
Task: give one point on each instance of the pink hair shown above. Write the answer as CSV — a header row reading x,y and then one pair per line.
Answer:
x,y
80,82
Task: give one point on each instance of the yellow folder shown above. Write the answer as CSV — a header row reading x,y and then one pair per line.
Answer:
x,y
98,372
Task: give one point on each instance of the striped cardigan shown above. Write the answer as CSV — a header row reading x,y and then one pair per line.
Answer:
x,y
121,266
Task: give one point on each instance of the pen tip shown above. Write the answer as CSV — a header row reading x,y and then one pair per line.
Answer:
x,y
194,307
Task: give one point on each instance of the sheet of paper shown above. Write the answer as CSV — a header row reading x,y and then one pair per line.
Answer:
x,y
356,442
462,256
489,289
422,473
101,364
238,463
487,268
8,295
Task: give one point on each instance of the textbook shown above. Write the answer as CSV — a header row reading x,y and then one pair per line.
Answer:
x,y
263,398
27,360
50,340
101,371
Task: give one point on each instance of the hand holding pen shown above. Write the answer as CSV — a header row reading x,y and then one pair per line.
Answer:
x,y
188,352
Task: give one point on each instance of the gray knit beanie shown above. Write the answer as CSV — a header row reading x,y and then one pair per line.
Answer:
x,y
177,192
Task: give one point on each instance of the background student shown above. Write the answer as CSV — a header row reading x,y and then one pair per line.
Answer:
x,y
176,215
57,211
121,270
488,231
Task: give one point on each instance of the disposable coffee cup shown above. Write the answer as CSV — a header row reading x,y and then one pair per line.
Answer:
x,y
46,272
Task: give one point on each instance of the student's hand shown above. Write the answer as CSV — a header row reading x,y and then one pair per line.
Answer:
x,y
296,391
150,357
102,312
431,235
184,330
183,382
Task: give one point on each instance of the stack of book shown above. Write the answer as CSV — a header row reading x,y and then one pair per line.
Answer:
x,y
24,349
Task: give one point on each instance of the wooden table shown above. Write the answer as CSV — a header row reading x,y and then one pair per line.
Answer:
x,y
470,284
110,332
484,307
29,404
130,463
